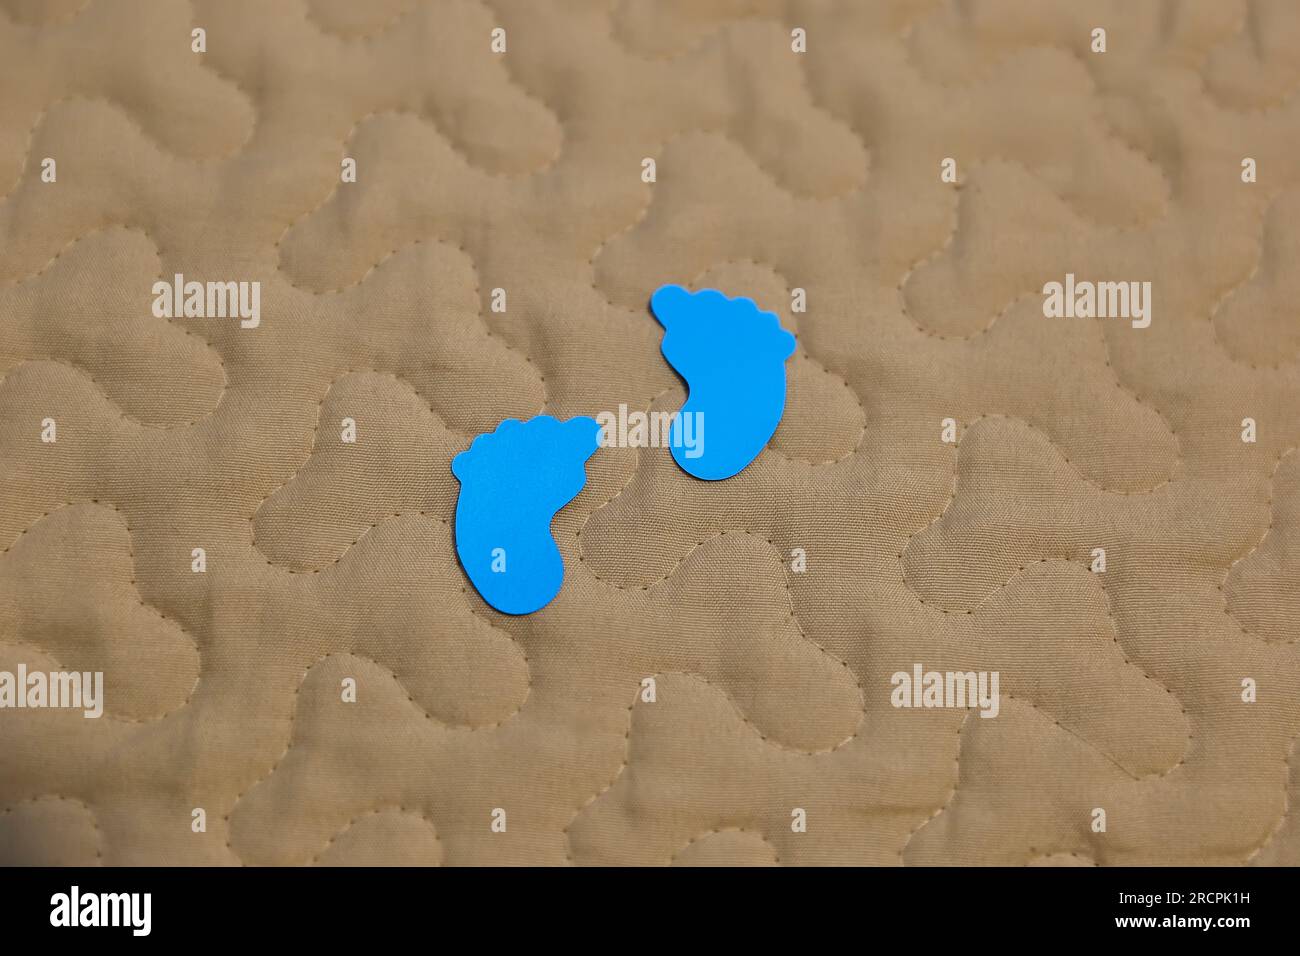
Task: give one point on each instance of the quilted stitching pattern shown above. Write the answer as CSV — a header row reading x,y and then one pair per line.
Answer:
x,y
328,560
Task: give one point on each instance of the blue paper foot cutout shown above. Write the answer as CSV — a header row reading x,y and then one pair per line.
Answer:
x,y
512,482
732,356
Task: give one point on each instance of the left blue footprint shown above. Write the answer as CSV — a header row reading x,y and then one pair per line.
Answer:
x,y
512,482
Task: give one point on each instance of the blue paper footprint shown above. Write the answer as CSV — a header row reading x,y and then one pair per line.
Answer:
x,y
732,356
512,482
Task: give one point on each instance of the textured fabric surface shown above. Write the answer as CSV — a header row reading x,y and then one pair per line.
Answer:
x,y
776,170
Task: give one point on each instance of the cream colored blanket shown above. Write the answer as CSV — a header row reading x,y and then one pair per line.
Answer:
x,y
1105,514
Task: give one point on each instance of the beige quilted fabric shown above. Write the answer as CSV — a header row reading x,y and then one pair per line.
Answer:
x,y
776,170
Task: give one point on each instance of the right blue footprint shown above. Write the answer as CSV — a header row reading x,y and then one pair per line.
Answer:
x,y
732,355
